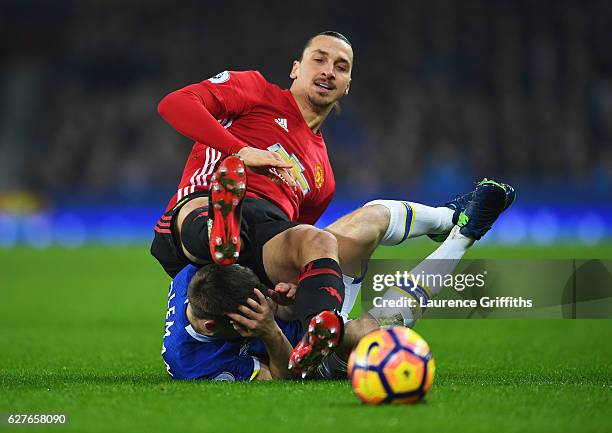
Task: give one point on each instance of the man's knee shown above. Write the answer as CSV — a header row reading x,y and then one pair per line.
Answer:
x,y
321,240
364,225
375,210
316,242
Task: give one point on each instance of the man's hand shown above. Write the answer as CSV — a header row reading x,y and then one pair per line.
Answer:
x,y
255,319
283,293
268,163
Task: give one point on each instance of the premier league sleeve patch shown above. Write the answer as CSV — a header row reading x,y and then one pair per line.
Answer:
x,y
226,376
221,77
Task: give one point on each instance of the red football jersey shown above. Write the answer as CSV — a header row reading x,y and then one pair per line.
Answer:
x,y
264,116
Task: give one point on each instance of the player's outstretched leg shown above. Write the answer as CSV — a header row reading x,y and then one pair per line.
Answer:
x,y
323,335
488,201
228,187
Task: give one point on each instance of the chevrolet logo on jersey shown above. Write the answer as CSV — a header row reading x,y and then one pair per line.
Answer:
x,y
297,170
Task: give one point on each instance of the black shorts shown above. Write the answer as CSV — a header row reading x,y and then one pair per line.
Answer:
x,y
261,221
166,247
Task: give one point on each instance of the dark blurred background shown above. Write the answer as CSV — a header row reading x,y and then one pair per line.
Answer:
x,y
443,93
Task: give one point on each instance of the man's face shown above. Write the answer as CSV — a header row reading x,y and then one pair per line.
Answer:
x,y
324,73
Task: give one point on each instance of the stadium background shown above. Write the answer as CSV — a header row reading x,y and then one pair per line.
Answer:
x,y
443,93
442,96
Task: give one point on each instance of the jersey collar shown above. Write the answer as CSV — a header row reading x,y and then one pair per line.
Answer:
x,y
199,337
195,335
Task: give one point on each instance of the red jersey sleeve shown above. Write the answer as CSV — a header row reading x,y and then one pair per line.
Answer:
x,y
193,110
237,91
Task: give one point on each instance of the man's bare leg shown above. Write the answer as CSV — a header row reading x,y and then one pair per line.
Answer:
x,y
319,294
384,222
288,252
359,233
488,200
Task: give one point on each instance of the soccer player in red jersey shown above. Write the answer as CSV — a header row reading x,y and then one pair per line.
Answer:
x,y
276,133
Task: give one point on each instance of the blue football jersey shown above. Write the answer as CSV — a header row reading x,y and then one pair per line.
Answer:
x,y
190,355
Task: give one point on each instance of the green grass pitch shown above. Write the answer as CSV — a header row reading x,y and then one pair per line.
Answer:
x,y
80,333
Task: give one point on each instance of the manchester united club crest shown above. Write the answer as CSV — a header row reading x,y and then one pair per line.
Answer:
x,y
319,176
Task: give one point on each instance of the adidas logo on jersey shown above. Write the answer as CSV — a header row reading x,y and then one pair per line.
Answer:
x,y
282,123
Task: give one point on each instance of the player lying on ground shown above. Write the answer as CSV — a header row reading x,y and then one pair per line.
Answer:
x,y
200,341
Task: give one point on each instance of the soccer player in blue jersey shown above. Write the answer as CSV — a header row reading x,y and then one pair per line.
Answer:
x,y
199,339
220,326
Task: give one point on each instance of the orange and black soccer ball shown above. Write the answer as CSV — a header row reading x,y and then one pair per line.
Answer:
x,y
391,365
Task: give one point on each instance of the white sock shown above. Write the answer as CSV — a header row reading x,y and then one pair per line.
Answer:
x,y
352,286
428,220
409,220
442,261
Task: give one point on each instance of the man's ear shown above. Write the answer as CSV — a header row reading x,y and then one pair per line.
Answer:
x,y
294,69
348,86
210,325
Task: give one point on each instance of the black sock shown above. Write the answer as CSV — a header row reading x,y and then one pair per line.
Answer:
x,y
320,287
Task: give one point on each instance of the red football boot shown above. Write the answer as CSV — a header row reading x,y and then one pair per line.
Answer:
x,y
227,189
324,334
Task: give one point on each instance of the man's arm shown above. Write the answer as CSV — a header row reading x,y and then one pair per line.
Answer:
x,y
193,111
279,350
255,319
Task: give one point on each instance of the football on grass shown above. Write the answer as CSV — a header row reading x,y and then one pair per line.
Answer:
x,y
391,365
